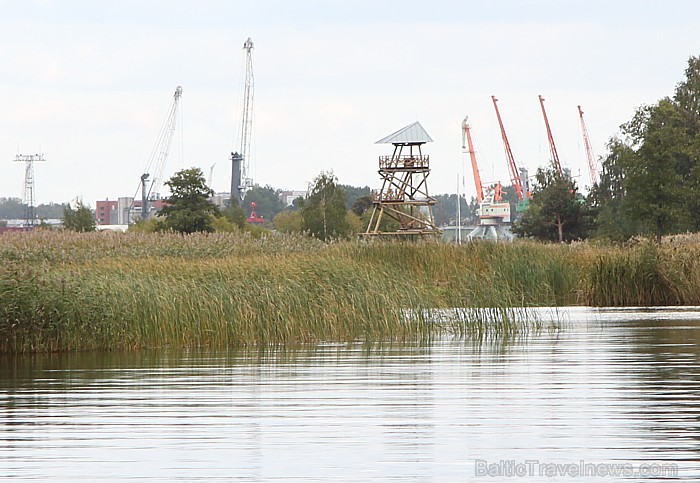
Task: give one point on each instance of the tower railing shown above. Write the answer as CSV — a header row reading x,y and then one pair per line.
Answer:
x,y
404,162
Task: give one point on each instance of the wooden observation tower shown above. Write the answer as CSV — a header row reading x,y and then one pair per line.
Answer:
x,y
404,194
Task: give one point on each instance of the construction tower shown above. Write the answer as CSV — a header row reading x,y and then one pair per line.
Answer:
x,y
28,198
241,179
404,196
157,160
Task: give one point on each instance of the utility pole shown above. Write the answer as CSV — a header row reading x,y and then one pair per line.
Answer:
x,y
28,199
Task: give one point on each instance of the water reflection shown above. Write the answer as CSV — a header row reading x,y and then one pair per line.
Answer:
x,y
610,386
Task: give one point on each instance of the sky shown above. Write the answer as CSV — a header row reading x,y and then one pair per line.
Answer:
x,y
89,84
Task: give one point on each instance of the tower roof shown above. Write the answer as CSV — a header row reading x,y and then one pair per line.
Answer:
x,y
411,134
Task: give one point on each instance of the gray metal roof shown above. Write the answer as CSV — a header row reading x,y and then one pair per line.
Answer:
x,y
411,134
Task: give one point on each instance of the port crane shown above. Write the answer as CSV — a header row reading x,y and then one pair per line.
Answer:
x,y
518,176
512,167
592,165
241,179
158,158
552,147
493,213
29,187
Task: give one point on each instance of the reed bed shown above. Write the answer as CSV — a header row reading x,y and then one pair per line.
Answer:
x,y
65,291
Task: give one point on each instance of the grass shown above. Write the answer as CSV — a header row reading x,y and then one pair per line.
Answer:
x,y
63,291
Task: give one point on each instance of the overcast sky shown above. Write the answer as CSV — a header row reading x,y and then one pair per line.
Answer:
x,y
89,84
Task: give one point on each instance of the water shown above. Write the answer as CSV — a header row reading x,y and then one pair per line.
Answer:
x,y
611,387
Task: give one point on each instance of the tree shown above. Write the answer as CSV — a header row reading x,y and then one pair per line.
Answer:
x,y
361,204
234,213
12,208
353,193
556,212
81,219
445,210
607,198
687,100
189,209
654,181
288,221
323,212
651,179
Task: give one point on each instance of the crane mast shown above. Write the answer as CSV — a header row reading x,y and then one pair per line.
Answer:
x,y
469,148
494,214
159,155
552,146
241,179
512,167
592,166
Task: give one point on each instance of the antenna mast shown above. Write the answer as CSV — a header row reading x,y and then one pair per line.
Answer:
x,y
592,166
552,146
241,179
28,160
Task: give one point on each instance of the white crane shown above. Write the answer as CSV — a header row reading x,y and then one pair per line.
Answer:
x,y
159,156
241,179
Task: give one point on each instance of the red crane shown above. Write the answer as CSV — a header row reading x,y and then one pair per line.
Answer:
x,y
552,146
466,135
592,165
254,218
492,209
512,167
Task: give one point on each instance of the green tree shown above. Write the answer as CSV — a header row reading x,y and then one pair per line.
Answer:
x,y
81,219
288,221
50,210
607,198
189,209
556,212
323,212
12,208
353,193
654,181
651,179
445,210
234,213
361,205
687,100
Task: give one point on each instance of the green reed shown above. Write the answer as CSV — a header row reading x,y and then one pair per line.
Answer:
x,y
65,291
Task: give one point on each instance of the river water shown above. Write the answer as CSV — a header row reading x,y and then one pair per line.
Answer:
x,y
611,395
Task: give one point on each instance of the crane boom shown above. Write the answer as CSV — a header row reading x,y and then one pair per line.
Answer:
x,y
159,156
241,179
512,167
552,146
592,166
161,150
247,124
469,148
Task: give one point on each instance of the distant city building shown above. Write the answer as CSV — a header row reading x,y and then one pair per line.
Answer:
x,y
221,200
288,197
124,211
106,212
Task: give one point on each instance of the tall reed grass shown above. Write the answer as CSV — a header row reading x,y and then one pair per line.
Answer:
x,y
65,291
